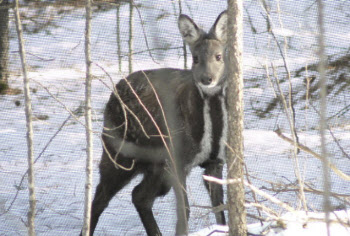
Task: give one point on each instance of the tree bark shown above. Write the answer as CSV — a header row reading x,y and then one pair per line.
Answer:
x,y
28,112
131,30
4,44
119,51
183,42
235,158
88,124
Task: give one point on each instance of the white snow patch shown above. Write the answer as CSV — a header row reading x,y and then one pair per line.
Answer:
x,y
291,224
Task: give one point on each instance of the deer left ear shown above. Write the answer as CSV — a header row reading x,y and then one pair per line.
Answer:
x,y
219,28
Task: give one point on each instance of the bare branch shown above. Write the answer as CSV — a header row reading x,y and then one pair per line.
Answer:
x,y
332,134
308,150
59,101
19,186
283,52
295,141
254,194
28,112
252,187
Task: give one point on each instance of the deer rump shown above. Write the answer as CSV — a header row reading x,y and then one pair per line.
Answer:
x,y
156,104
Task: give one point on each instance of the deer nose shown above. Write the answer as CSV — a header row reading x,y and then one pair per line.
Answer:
x,y
207,80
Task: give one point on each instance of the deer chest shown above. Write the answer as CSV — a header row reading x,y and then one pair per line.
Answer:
x,y
213,131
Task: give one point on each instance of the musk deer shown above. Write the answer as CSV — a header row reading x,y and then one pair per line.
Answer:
x,y
161,123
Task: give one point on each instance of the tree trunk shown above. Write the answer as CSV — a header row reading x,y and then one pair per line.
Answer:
x,y
28,112
118,39
323,115
131,30
235,158
4,44
88,124
183,42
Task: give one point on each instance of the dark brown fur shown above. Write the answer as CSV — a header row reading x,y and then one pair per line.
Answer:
x,y
185,105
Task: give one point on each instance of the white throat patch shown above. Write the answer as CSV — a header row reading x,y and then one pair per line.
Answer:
x,y
209,90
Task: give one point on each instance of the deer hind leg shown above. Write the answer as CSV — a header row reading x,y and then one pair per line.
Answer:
x,y
112,180
153,185
214,168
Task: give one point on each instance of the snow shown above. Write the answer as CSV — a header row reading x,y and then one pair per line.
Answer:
x,y
290,224
56,60
304,224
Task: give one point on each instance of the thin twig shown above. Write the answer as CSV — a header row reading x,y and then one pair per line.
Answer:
x,y
167,128
19,186
152,49
254,194
295,141
115,91
59,101
308,150
144,31
150,116
252,187
332,134
290,113
125,108
283,53
308,189
161,108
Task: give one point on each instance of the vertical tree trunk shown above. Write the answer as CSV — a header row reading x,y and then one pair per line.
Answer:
x,y
4,44
28,112
323,114
88,123
235,158
131,26
118,39
183,42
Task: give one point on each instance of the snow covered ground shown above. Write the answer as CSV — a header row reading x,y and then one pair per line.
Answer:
x,y
290,224
56,59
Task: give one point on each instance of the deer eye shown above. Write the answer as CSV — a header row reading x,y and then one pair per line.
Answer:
x,y
195,60
218,57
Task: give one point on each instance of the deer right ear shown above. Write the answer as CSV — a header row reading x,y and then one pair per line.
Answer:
x,y
188,29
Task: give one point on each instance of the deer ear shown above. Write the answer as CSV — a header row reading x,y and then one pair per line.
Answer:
x,y
219,28
188,29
